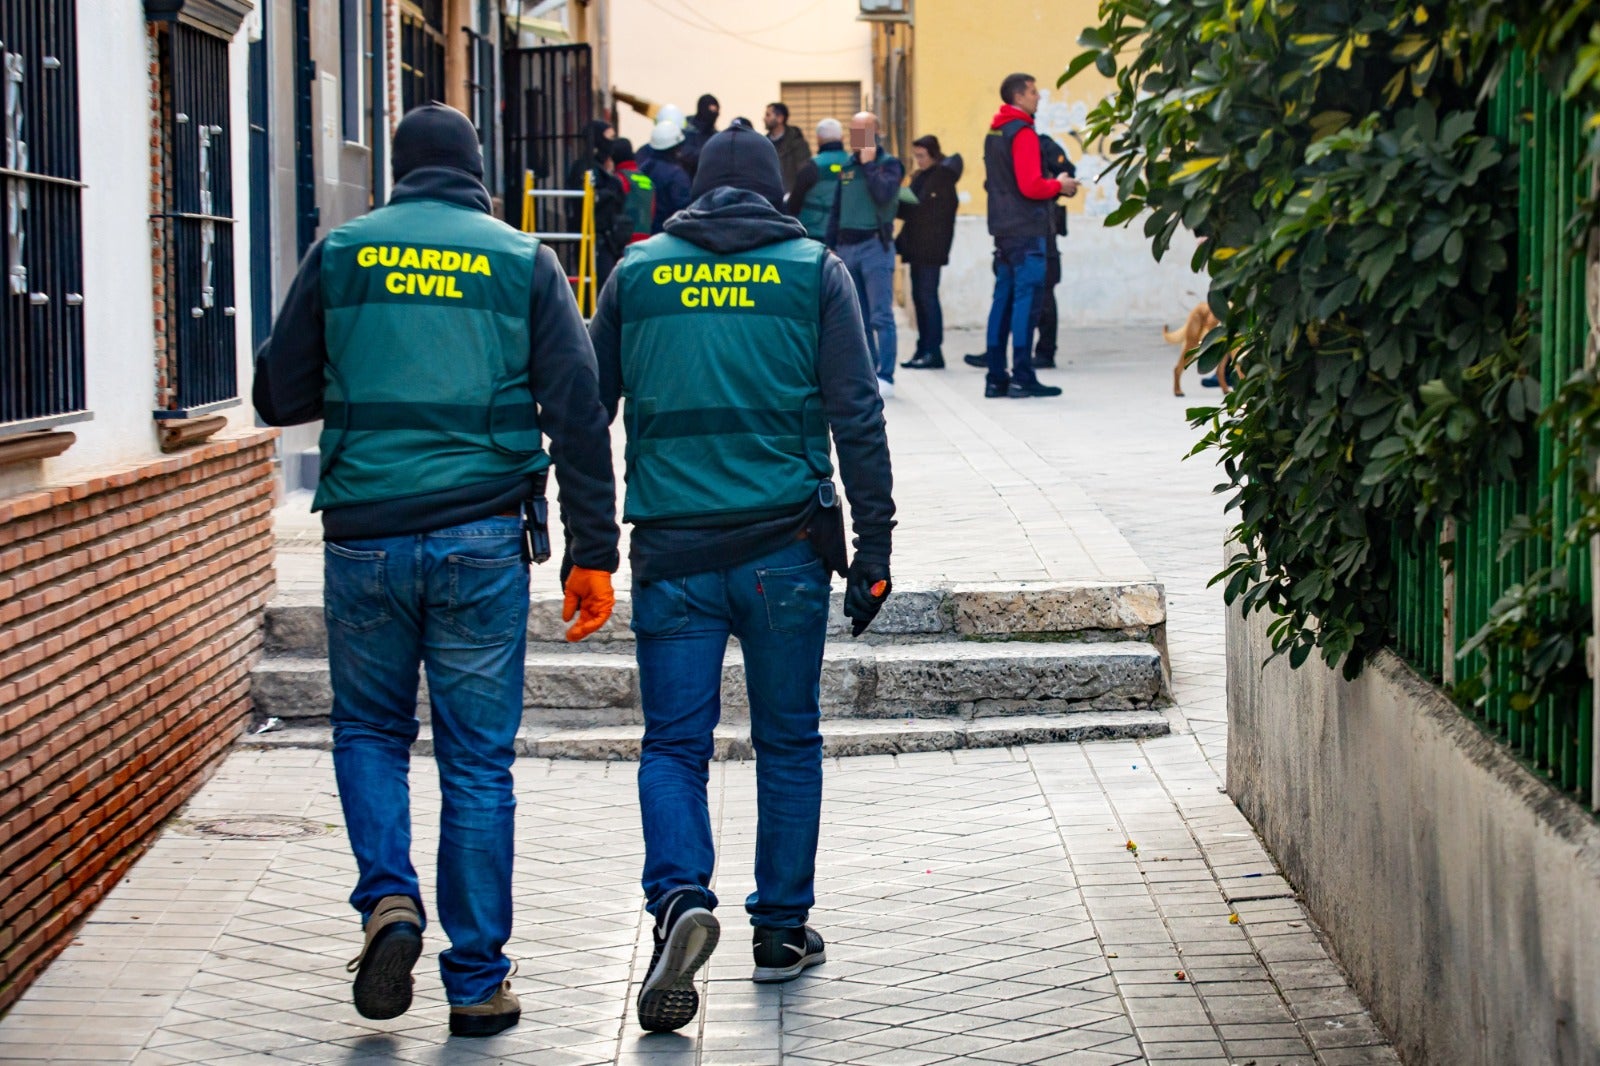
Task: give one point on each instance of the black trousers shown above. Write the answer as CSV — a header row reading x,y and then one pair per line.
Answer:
x,y
1046,323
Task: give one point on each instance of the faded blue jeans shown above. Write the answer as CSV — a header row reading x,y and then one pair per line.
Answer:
x,y
871,265
778,608
456,601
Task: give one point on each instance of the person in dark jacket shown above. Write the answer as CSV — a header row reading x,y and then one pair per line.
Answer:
x,y
439,344
793,152
736,527
700,128
924,243
659,161
1056,164
1019,198
597,138
639,209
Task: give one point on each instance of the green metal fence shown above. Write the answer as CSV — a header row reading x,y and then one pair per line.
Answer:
x,y
1438,607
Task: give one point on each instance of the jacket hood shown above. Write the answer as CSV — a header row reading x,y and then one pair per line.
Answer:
x,y
727,220
1010,113
954,164
443,183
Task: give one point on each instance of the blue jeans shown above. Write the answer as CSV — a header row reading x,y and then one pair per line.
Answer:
x,y
778,608
930,316
871,265
1019,271
455,600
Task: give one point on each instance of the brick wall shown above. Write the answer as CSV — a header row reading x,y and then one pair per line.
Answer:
x,y
130,615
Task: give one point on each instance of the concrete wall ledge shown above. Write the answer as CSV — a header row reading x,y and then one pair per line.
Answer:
x,y
1460,891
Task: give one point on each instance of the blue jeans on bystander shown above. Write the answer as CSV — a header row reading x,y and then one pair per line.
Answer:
x,y
1018,276
456,601
871,265
778,608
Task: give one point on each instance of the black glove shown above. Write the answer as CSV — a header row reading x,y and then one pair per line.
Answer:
x,y
861,603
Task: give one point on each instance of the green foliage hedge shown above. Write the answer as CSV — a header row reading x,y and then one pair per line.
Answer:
x,y
1358,223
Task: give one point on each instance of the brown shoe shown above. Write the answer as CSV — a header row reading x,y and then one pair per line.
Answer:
x,y
496,1014
383,969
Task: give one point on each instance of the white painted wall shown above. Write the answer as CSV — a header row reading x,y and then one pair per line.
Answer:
x,y
671,51
119,321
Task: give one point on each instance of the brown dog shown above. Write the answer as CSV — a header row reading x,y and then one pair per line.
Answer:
x,y
1200,322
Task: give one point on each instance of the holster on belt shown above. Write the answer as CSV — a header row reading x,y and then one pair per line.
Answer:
x,y
536,525
825,530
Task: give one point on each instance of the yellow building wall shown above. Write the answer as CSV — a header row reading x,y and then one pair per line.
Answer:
x,y
963,50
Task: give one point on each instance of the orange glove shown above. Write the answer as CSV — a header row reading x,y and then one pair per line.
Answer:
x,y
589,596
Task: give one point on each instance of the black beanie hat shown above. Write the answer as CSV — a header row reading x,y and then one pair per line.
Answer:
x,y
434,135
621,150
743,159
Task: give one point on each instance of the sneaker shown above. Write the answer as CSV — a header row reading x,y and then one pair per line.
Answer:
x,y
782,953
886,388
976,360
494,1015
383,983
686,934
1019,392
991,390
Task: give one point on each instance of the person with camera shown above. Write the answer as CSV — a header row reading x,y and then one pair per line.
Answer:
x,y
735,342
438,345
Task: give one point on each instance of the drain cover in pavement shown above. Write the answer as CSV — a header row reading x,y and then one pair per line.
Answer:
x,y
254,827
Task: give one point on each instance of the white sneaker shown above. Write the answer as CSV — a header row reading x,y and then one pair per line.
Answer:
x,y
885,388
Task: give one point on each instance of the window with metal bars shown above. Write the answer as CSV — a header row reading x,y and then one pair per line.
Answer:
x,y
201,362
41,298
422,44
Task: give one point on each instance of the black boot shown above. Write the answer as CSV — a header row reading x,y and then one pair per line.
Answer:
x,y
925,361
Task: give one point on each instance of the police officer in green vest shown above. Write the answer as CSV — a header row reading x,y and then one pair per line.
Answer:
x,y
735,346
816,184
439,346
862,232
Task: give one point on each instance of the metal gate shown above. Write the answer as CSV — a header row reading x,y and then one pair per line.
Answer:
x,y
422,44
549,96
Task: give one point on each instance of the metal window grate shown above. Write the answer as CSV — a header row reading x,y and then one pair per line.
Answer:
x,y
198,181
549,96
41,298
421,53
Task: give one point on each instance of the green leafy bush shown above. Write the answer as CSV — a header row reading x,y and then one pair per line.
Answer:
x,y
1358,224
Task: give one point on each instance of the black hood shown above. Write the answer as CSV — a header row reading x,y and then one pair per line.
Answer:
x,y
594,136
953,164
443,183
742,158
727,220
434,135
706,112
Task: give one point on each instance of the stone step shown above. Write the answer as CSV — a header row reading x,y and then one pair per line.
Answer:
x,y
840,737
957,680
1048,611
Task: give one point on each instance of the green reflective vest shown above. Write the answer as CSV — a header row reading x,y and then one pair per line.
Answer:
x,y
857,209
819,200
719,377
425,307
641,202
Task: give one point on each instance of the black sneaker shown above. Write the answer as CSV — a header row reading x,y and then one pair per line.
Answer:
x,y
975,360
686,934
991,390
1018,392
782,953
393,942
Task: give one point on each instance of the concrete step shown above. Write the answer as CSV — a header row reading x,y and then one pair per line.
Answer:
x,y
840,737
1051,611
957,680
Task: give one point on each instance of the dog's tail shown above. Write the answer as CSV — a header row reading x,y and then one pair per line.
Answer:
x,y
1170,337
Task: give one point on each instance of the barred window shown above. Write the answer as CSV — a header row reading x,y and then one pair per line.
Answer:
x,y
200,365
421,52
41,300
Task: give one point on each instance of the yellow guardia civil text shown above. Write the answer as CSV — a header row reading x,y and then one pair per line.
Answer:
x,y
716,284
422,271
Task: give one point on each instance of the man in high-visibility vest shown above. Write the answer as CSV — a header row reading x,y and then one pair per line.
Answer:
x,y
438,345
736,343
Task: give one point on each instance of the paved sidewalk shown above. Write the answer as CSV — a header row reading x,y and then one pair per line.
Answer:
x,y
1086,904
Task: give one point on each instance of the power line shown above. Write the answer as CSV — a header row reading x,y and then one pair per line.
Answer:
x,y
712,28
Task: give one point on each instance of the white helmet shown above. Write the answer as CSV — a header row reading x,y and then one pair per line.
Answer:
x,y
667,134
671,113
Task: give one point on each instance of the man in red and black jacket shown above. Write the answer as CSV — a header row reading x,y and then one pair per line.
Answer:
x,y
1020,221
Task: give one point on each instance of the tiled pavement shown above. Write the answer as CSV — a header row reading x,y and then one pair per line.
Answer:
x,y
981,906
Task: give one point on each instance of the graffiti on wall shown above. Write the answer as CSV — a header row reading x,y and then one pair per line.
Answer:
x,y
1066,119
